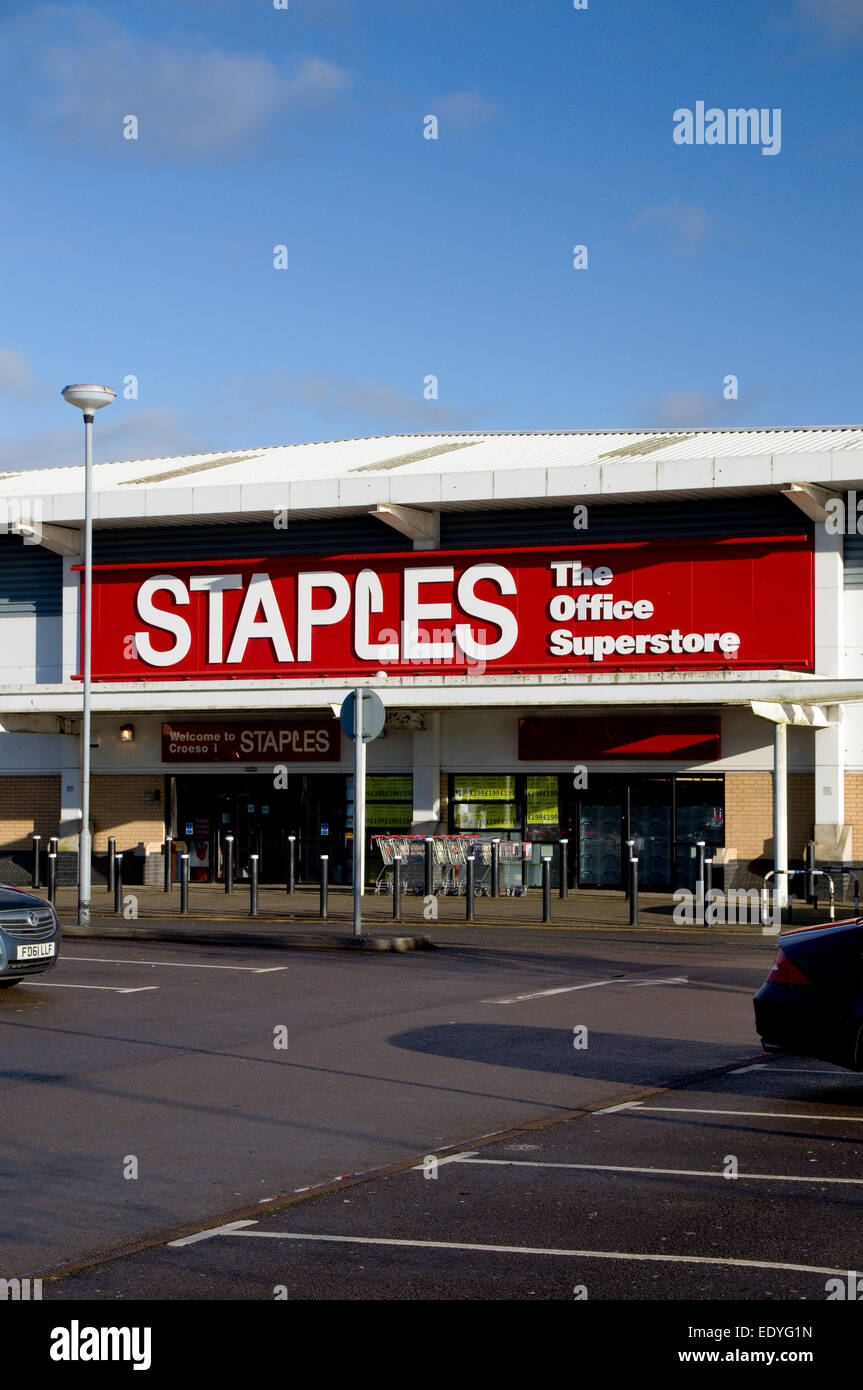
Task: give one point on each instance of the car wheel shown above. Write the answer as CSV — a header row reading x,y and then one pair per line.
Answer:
x,y
7,984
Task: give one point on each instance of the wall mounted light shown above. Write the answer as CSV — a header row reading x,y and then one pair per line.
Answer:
x,y
127,734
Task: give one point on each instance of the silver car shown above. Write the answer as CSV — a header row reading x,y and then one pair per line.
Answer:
x,y
29,936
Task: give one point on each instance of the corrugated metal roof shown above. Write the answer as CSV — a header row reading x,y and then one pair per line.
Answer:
x,y
426,453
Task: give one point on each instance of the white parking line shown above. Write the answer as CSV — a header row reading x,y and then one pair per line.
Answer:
x,y
744,1114
227,1230
594,984
806,1071
179,964
471,1162
511,1249
106,989
451,1158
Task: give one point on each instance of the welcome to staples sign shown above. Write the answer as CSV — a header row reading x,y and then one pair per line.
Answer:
x,y
591,607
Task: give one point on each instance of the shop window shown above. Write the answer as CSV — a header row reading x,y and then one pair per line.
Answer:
x,y
484,803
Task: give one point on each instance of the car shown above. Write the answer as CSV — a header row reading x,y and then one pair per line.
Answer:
x,y
29,936
811,1003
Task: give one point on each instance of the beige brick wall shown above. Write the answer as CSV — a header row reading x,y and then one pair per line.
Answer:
x,y
854,811
28,806
126,807
749,813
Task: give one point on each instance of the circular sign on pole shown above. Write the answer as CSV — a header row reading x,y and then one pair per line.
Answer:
x,y
373,714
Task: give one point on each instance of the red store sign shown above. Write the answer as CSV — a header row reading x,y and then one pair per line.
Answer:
x,y
252,741
587,607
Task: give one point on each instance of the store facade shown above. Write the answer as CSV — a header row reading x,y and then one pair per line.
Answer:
x,y
570,642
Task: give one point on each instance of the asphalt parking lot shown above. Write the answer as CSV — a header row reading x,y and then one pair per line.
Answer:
x,y
589,1102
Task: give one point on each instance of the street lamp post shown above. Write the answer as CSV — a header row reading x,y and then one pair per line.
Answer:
x,y
89,399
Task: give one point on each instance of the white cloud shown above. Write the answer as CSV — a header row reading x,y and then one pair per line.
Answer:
x,y
687,227
462,111
16,376
83,74
387,405
156,432
839,17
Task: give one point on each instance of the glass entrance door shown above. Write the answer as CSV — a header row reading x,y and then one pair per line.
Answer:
x,y
599,844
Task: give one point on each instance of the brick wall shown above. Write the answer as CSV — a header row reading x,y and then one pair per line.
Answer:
x,y
854,811
749,813
126,807
28,806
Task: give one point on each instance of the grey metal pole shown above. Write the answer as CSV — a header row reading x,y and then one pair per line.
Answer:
x,y
118,883
292,864
428,885
546,890
810,871
253,885
563,886
112,855
495,868
708,882
630,845
84,846
52,878
397,887
359,811
325,868
780,812
633,892
36,876
469,898
184,883
229,864
169,863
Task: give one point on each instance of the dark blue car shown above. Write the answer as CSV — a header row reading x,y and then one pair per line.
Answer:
x,y
811,1003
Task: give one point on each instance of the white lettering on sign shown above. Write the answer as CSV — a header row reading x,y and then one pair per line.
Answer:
x,y
468,625
215,586
488,612
369,598
412,646
260,594
308,616
163,621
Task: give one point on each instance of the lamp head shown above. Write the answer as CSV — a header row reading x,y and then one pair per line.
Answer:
x,y
89,398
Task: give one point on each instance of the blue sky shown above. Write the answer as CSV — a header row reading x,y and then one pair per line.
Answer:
x,y
410,257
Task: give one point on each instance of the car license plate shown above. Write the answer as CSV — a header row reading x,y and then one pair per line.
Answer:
x,y
36,951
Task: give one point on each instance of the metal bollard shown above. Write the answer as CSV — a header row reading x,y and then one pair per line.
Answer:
x,y
112,855
36,877
52,878
118,883
397,886
325,869
810,871
184,883
169,864
495,868
708,884
699,881
229,863
428,886
633,892
469,888
292,864
563,869
546,890
253,885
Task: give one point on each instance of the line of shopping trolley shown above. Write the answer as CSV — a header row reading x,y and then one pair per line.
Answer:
x,y
449,855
